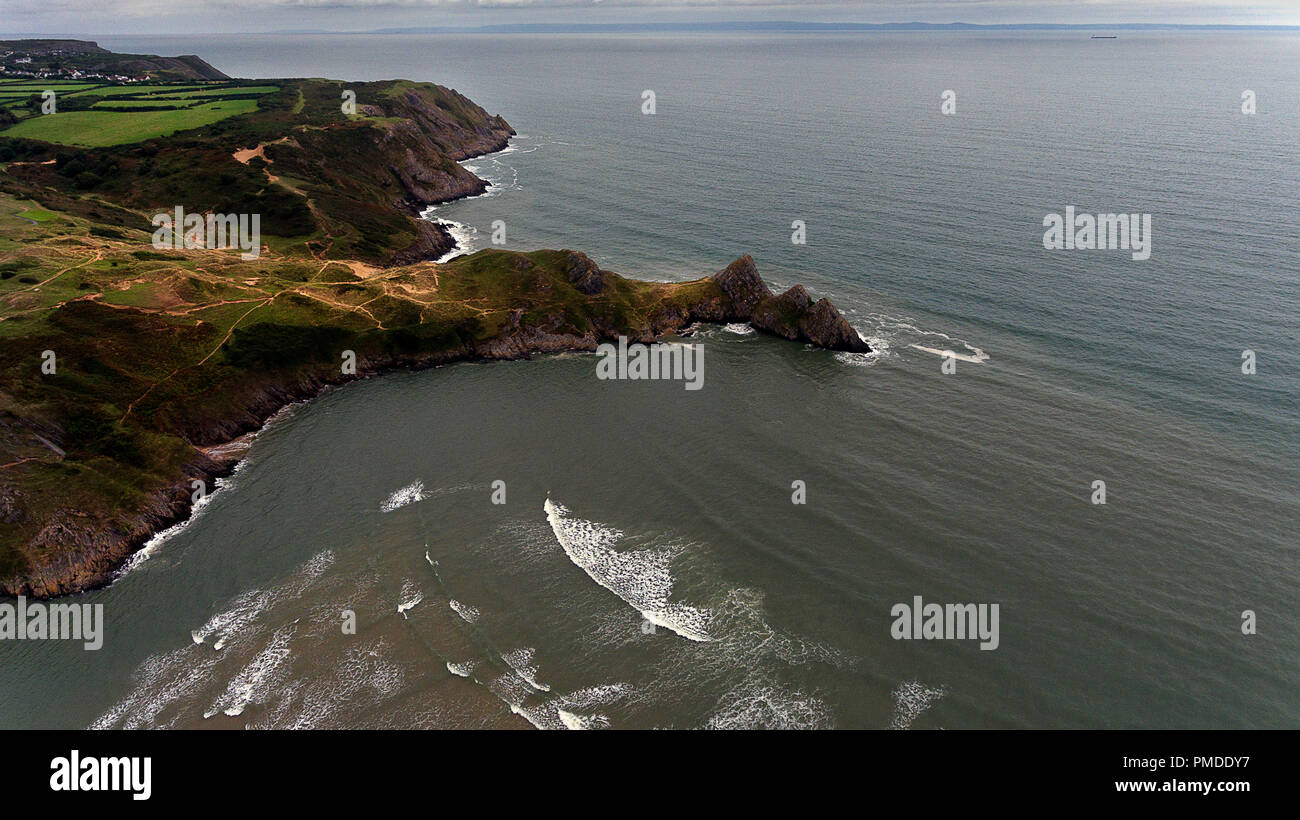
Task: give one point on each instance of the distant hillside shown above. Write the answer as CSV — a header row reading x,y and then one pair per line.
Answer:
x,y
75,59
42,47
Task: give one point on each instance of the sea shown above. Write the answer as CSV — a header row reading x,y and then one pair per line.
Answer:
x,y
1106,449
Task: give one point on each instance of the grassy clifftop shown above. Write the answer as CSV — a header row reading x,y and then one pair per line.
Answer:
x,y
334,170
143,356
157,355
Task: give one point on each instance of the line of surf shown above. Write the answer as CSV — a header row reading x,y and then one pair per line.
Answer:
x,y
640,578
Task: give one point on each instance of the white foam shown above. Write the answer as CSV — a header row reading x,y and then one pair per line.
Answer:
x,y
246,607
739,328
759,703
580,722
884,332
593,695
163,536
258,678
364,677
979,358
539,718
243,610
409,494
462,234
521,660
159,681
465,611
411,596
514,692
863,359
179,677
911,700
641,578
463,670
492,170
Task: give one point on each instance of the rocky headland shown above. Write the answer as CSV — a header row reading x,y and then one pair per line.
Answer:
x,y
164,359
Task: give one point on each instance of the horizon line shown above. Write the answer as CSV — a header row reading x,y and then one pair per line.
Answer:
x,y
719,25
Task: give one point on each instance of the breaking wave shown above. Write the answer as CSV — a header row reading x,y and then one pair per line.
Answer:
x,y
468,613
409,494
410,598
642,578
886,334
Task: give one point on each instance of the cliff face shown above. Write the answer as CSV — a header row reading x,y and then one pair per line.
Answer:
x,y
792,315
409,138
432,241
84,551
742,285
454,124
428,129
347,184
425,175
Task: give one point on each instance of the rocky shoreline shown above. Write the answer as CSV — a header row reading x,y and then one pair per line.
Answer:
x,y
740,296
433,240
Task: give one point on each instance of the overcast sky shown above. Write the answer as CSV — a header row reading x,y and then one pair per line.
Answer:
x,y
102,17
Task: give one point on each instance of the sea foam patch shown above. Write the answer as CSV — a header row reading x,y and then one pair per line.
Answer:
x,y
461,670
521,660
467,612
171,686
409,494
911,700
887,333
760,703
258,678
642,578
411,596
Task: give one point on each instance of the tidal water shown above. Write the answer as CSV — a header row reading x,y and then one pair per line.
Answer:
x,y
648,567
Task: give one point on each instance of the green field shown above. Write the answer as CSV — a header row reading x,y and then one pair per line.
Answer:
x,y
55,85
95,129
167,89
110,122
206,92
133,103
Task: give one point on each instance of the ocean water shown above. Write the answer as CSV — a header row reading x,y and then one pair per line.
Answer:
x,y
649,568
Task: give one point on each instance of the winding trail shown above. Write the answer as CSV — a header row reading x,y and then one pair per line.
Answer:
x,y
130,407
98,255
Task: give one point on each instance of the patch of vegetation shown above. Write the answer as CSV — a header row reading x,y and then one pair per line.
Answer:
x,y
98,128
